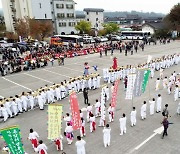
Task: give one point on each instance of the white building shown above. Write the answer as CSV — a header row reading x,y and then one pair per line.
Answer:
x,y
63,16
95,16
18,9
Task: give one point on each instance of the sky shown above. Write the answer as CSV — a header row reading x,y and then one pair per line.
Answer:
x,y
158,6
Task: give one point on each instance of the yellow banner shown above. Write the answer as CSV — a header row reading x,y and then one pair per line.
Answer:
x,y
54,121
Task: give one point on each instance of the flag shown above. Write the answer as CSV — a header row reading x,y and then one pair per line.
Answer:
x,y
145,80
114,94
137,91
76,119
130,86
12,137
54,121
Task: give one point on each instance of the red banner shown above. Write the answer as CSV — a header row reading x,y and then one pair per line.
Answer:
x,y
76,119
114,94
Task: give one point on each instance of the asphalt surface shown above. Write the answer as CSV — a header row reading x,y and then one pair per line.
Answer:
x,y
126,144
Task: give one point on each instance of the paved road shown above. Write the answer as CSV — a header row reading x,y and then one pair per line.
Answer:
x,y
24,81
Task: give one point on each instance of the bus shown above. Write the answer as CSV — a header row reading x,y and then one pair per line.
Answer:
x,y
66,40
134,35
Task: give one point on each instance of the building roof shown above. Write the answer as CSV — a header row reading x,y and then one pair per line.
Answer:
x,y
80,16
155,25
93,10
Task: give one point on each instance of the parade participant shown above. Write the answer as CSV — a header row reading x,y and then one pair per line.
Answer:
x,y
151,106
4,112
158,103
82,129
92,123
107,135
122,121
152,72
176,93
111,113
89,83
57,93
33,137
42,148
58,143
40,101
165,82
114,63
94,82
63,90
7,105
18,102
102,120
178,109
31,100
86,69
80,145
133,117
143,111
157,84
24,100
98,81
170,84
161,73
81,114
97,108
69,133
107,93
14,107
85,94
68,119
89,111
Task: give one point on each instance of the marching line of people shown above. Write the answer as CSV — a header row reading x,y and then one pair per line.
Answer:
x,y
12,106
158,64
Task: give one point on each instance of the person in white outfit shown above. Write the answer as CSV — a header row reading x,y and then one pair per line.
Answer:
x,y
133,117
42,148
107,135
4,112
176,93
143,110
178,109
80,145
165,82
151,106
122,121
158,103
157,84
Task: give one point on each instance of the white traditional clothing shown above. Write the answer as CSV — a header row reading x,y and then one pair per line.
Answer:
x,y
92,124
69,134
143,111
19,103
4,113
111,113
133,118
106,136
14,108
97,109
41,149
7,105
24,100
89,111
151,107
82,129
33,137
176,93
122,125
80,145
157,85
158,104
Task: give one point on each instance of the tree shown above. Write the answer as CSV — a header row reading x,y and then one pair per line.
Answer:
x,y
22,27
162,33
102,32
111,28
45,29
172,20
11,36
83,27
34,27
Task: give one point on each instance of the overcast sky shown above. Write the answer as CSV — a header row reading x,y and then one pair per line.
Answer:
x,y
160,6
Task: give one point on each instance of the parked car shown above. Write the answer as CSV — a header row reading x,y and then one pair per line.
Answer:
x,y
101,39
115,38
88,39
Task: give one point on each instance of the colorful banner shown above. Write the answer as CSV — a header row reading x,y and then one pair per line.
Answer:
x,y
130,86
12,138
54,121
145,80
114,94
138,83
76,119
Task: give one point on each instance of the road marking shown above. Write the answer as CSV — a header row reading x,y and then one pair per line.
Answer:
x,y
17,84
157,131
56,73
38,78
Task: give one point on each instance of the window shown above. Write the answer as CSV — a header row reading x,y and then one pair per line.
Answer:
x,y
70,15
45,16
69,6
72,24
87,19
40,5
62,24
96,19
96,13
60,15
59,6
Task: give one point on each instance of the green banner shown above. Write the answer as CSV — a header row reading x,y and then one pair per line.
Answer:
x,y
12,138
145,80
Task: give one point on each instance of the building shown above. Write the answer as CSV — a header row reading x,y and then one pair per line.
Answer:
x,y
63,16
95,16
18,9
152,27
